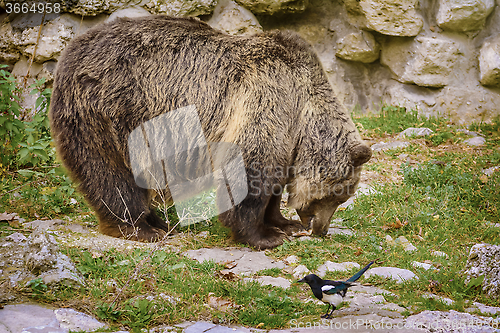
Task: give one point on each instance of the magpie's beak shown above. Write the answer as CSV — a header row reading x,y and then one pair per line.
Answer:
x,y
301,280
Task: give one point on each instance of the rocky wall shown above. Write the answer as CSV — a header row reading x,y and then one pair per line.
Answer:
x,y
437,56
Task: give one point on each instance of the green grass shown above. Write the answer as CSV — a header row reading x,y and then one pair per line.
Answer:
x,y
443,203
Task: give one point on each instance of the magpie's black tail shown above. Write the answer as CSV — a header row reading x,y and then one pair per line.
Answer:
x,y
361,272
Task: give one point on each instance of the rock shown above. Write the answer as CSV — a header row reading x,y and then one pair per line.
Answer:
x,y
444,300
389,240
92,7
450,322
358,46
234,19
439,254
293,259
182,8
491,310
460,15
405,243
389,145
484,261
271,7
489,62
129,12
44,224
393,17
412,131
475,141
489,172
397,274
467,132
362,304
247,261
54,37
16,237
422,265
340,230
329,266
77,321
300,271
426,62
273,281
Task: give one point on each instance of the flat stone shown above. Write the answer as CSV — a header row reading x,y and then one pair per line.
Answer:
x,y
25,317
336,230
273,281
475,141
444,300
293,259
44,224
329,266
439,254
247,262
412,131
422,265
300,271
199,327
397,274
405,243
389,145
450,322
492,310
77,321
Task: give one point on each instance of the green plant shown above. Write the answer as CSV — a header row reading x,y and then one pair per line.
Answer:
x,y
37,286
23,143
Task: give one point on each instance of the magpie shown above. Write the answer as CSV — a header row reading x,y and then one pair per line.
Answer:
x,y
331,292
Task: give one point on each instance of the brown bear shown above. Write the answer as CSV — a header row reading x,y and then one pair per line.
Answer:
x,y
266,94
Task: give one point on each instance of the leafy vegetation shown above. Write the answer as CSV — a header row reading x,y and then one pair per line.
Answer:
x,y
438,197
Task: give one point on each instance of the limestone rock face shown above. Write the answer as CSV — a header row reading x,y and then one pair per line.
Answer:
x,y
426,62
358,46
234,19
463,15
92,7
181,8
54,38
392,17
271,7
484,260
489,63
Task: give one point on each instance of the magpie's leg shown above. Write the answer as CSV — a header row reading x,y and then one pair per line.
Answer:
x,y
330,315
325,315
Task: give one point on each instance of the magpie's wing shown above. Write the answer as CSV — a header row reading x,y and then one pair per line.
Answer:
x,y
333,287
361,272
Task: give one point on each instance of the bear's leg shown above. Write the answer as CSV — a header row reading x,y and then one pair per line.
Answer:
x,y
121,206
247,223
274,218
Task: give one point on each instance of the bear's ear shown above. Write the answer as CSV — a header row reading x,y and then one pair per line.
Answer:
x,y
360,154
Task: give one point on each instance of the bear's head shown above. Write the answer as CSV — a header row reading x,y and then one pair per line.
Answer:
x,y
328,161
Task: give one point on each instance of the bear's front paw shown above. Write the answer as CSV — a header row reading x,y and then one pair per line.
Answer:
x,y
267,239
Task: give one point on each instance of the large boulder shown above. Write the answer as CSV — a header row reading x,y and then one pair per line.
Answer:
x,y
358,46
234,19
392,17
92,7
484,261
425,61
461,15
489,62
181,8
271,7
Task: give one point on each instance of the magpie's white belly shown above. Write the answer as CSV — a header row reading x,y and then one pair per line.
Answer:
x,y
334,299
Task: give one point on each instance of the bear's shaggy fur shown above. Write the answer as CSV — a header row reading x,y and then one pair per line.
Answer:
x,y
266,93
